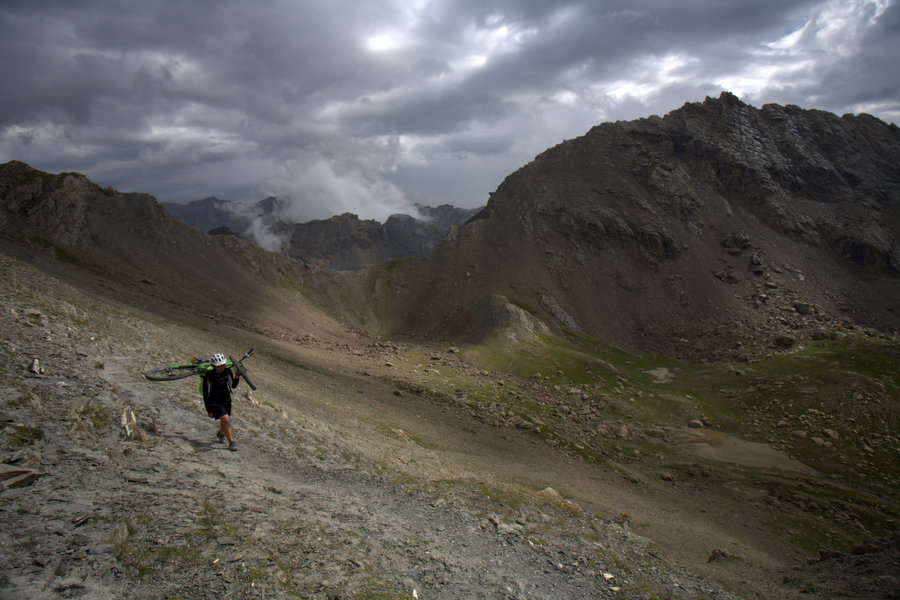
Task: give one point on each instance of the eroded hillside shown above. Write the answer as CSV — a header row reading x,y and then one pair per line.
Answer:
x,y
716,230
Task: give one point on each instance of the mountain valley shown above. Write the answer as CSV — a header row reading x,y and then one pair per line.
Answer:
x,y
661,363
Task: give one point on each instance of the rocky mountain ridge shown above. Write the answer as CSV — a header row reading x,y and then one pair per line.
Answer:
x,y
718,221
342,242
211,213
129,244
346,242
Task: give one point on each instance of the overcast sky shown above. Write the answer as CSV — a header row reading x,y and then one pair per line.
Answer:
x,y
368,106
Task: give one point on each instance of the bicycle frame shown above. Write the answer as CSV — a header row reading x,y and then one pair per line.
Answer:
x,y
174,372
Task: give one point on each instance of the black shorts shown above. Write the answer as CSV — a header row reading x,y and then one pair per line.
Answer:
x,y
219,409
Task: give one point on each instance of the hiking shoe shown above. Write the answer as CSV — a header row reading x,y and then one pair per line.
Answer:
x,y
221,437
232,446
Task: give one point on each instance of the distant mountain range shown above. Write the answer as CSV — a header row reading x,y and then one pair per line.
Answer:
x,y
343,242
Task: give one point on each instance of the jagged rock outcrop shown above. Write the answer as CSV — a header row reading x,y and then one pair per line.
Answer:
x,y
446,215
346,242
343,242
207,214
716,219
56,203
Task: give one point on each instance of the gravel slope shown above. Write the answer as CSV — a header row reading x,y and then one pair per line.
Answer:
x,y
303,509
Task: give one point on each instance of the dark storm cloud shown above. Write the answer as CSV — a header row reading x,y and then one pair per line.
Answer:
x,y
367,106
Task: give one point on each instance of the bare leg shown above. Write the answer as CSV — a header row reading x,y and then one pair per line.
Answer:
x,y
225,427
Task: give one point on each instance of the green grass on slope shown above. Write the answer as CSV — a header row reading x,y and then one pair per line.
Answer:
x,y
833,405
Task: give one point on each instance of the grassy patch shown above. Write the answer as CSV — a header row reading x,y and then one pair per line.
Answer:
x,y
212,525
278,358
146,560
23,435
94,418
832,405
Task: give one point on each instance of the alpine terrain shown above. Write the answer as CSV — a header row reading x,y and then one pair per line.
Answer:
x,y
662,362
343,242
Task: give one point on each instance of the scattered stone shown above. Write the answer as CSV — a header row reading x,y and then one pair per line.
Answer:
x,y
720,555
36,367
552,494
804,308
727,276
16,477
783,342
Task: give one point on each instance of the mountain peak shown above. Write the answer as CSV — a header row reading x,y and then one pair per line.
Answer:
x,y
725,98
625,231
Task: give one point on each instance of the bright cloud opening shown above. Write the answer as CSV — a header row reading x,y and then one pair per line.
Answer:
x,y
383,42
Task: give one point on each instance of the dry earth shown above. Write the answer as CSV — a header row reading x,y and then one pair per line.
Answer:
x,y
348,482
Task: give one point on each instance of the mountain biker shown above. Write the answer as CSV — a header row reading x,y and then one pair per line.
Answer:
x,y
217,385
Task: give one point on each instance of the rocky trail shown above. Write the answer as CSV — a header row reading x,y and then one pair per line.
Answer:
x,y
119,488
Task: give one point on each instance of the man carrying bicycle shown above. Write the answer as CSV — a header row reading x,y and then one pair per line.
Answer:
x,y
217,385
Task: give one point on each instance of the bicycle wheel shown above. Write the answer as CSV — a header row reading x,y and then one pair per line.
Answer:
x,y
243,371
172,373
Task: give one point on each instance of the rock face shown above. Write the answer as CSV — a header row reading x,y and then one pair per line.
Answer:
x,y
210,213
445,215
345,242
58,203
717,219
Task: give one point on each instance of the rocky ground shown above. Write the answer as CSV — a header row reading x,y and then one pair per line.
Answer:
x,y
349,482
116,487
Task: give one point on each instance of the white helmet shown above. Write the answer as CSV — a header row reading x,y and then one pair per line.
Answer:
x,y
218,359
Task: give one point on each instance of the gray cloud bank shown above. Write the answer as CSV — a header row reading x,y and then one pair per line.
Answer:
x,y
369,106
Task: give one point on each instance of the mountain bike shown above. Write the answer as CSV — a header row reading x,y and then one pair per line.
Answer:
x,y
198,367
